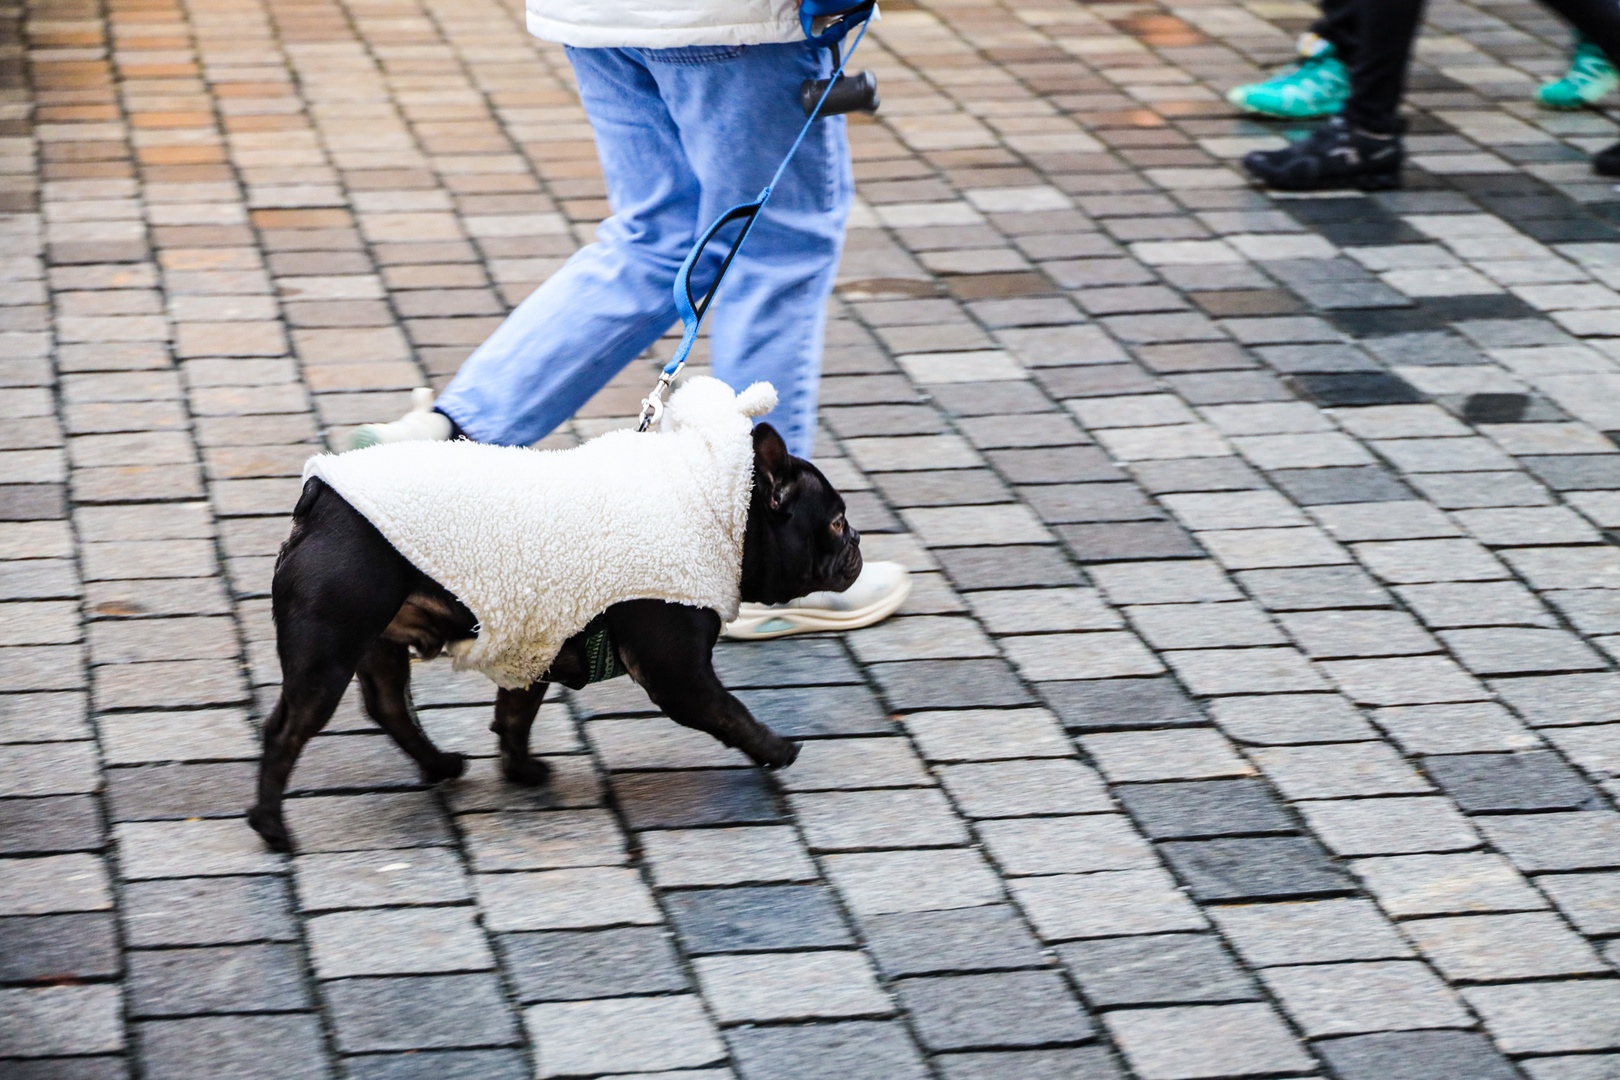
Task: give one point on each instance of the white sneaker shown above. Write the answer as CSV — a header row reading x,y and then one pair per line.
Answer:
x,y
421,423
876,594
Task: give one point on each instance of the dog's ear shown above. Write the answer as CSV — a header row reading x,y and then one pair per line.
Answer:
x,y
771,462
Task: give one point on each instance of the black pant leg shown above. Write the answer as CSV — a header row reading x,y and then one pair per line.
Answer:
x,y
1378,67
1337,27
1598,20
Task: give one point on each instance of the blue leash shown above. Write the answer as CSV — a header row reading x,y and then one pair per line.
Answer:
x,y
689,307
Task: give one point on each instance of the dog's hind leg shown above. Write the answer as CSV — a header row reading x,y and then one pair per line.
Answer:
x,y
515,711
385,688
306,705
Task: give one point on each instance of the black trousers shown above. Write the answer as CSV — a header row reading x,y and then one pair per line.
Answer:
x,y
1374,39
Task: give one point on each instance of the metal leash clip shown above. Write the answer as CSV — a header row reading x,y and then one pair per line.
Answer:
x,y
652,406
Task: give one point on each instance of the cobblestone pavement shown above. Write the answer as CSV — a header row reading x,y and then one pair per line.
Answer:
x,y
1255,713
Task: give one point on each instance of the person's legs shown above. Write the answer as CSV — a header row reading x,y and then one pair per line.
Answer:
x,y
1338,26
1386,31
613,298
738,117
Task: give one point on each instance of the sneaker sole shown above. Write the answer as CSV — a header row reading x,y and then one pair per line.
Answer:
x,y
814,620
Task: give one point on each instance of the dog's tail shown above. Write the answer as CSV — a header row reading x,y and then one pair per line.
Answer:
x,y
314,487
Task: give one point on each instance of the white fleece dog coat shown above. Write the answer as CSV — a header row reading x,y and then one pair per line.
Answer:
x,y
537,543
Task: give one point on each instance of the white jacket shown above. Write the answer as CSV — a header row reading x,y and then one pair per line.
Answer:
x,y
537,543
664,24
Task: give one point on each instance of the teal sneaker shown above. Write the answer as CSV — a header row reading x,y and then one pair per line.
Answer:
x,y
1317,87
1590,77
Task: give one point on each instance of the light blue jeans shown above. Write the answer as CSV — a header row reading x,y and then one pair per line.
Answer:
x,y
683,135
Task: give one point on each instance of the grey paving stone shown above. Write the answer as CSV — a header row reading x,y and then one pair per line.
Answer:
x,y
1121,541
1196,474
39,948
1206,1040
1475,603
51,825
1065,845
1354,997
989,938
328,882
851,1050
756,919
880,882
1318,931
621,1035
1590,901
1417,1055
1077,1063
227,978
738,856
1115,704
1010,567
207,911
1067,907
1454,884
1563,699
158,792
1550,1017
1063,504
1444,729
935,684
812,712
1481,948
1577,1067
51,1021
1021,788
1202,809
1311,588
1575,840
696,797
287,1047
867,820
1003,1009
397,941
1463,491
367,821
806,662
1200,753
460,1011
832,984
1156,969
1254,868
1290,719
55,883
1388,826
572,965
440,1065
1520,651
1339,484
1503,783
68,1068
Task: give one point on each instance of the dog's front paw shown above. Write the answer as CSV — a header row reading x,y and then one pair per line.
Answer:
x,y
777,754
530,772
447,767
269,825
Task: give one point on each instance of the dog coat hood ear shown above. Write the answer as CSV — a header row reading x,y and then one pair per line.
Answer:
x,y
538,543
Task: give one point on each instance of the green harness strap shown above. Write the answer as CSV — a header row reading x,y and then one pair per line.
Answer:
x,y
601,658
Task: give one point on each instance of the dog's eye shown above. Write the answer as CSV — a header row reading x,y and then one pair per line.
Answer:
x,y
838,524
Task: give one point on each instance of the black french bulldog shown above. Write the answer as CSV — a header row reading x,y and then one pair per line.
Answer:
x,y
346,603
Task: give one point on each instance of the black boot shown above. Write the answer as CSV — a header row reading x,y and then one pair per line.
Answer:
x,y
1336,155
1606,162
